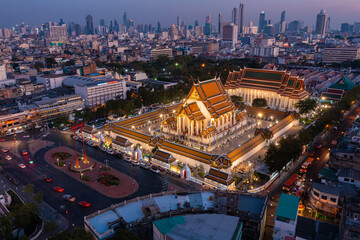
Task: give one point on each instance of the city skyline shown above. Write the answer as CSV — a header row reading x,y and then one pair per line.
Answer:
x,y
19,11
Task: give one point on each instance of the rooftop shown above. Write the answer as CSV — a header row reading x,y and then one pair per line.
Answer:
x,y
288,206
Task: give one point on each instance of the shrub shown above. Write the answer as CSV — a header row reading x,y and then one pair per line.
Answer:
x,y
85,177
108,179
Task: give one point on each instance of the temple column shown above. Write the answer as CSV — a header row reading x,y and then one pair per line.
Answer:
x,y
197,127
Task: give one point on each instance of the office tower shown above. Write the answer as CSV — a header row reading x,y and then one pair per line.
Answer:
x,y
282,19
57,33
241,18
345,27
77,29
89,25
357,27
61,22
208,30
219,23
102,22
234,16
321,23
179,23
116,26
262,21
158,27
196,23
126,21
173,33
229,34
327,29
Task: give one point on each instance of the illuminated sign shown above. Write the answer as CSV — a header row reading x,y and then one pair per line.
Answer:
x,y
107,83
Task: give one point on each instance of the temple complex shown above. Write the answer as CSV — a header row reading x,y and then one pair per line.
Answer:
x,y
279,88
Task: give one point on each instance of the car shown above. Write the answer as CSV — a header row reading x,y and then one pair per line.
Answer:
x,y
2,139
48,180
58,189
8,157
319,146
135,162
26,136
84,204
5,150
155,169
25,152
144,165
127,159
21,165
69,198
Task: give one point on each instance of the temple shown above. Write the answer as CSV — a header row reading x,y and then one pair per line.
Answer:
x,y
279,88
206,111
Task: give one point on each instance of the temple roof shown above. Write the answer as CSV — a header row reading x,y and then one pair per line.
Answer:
x,y
270,80
220,177
212,94
123,142
163,156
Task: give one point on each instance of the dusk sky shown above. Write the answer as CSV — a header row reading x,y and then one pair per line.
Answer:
x,y
35,12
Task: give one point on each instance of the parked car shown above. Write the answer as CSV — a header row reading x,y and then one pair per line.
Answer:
x,y
5,150
84,204
135,162
69,198
58,189
144,165
127,159
8,157
2,139
155,169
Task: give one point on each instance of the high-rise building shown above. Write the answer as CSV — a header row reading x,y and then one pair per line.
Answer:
x,y
321,23
234,16
241,18
229,34
219,23
77,29
208,30
102,22
345,27
327,29
89,25
126,21
282,19
158,30
262,21
179,23
173,33
57,33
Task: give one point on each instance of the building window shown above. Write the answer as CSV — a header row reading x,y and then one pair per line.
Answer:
x,y
333,199
316,193
324,197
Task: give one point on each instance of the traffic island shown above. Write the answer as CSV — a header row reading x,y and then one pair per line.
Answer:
x,y
118,185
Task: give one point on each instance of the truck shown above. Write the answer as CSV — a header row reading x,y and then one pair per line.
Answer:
x,y
306,164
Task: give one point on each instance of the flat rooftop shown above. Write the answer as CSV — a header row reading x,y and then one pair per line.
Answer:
x,y
288,206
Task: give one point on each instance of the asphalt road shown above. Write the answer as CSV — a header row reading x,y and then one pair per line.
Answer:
x,y
148,181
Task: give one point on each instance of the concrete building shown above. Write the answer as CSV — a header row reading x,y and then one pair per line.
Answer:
x,y
229,35
98,93
272,51
321,24
3,72
51,81
198,227
57,33
350,219
341,54
286,217
155,53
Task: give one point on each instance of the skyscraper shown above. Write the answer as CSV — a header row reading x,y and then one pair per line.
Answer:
x,y
173,33
208,30
282,19
126,20
229,34
321,23
219,23
234,16
262,21
241,17
179,23
89,25
102,22
158,30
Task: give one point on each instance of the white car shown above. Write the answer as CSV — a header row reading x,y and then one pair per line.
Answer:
x,y
8,157
155,169
127,159
5,150
21,165
136,163
144,165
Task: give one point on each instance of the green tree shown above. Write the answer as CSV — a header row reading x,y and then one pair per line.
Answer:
x,y
77,233
306,106
29,188
237,100
124,234
6,227
38,197
50,226
50,62
62,120
259,102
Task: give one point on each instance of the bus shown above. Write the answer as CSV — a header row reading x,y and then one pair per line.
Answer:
x,y
290,183
306,164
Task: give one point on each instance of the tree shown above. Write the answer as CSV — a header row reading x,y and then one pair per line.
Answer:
x,y
124,234
306,105
62,120
237,100
6,227
259,102
29,188
50,226
77,233
38,197
50,62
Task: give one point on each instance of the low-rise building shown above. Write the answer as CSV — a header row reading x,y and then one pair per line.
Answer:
x,y
350,219
341,54
98,93
220,180
51,81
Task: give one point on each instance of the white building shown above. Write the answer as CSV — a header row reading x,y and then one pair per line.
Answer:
x,y
98,93
51,81
271,51
286,217
2,72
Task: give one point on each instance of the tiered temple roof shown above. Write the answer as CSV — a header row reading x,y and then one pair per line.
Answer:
x,y
220,177
280,82
214,97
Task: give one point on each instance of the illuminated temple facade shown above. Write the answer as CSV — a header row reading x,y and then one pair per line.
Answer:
x,y
207,111
279,88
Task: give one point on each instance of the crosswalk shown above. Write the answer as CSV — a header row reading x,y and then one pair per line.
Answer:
x,y
273,203
164,184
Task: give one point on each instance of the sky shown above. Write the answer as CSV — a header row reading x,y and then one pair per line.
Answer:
x,y
36,12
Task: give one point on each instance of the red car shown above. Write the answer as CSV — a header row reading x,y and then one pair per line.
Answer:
x,y
48,179
84,204
2,139
24,152
58,189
